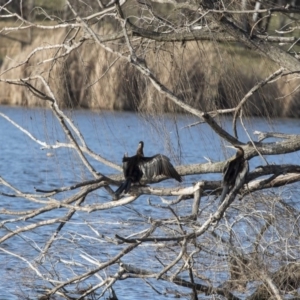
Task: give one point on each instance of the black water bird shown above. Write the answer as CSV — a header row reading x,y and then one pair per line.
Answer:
x,y
136,166
234,172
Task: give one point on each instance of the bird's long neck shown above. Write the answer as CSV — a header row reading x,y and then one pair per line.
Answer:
x,y
240,153
140,151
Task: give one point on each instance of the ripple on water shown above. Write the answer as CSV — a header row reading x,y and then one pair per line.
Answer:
x,y
26,166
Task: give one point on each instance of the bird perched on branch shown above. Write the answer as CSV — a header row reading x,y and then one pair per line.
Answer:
x,y
136,166
234,172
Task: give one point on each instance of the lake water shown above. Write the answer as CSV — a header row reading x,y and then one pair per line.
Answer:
x,y
25,166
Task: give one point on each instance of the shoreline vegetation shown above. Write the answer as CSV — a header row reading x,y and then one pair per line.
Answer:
x,y
205,75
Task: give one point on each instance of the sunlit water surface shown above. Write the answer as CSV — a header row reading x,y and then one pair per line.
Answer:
x,y
25,165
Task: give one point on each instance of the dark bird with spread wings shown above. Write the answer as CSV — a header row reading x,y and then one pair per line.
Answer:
x,y
234,172
136,166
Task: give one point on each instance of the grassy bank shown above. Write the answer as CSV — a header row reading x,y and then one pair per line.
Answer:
x,y
205,75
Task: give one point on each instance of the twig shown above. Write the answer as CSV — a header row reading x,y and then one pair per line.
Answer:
x,y
25,260
250,139
175,261
62,118
264,135
250,93
99,268
66,218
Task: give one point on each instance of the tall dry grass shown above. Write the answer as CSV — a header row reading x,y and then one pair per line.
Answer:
x,y
204,75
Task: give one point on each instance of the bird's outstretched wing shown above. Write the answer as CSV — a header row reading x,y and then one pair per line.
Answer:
x,y
158,164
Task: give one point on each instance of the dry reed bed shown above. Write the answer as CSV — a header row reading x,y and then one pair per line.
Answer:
x,y
205,75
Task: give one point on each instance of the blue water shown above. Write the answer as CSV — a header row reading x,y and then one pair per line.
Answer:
x,y
26,166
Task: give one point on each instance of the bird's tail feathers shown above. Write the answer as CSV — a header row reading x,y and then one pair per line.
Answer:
x,y
224,193
125,186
